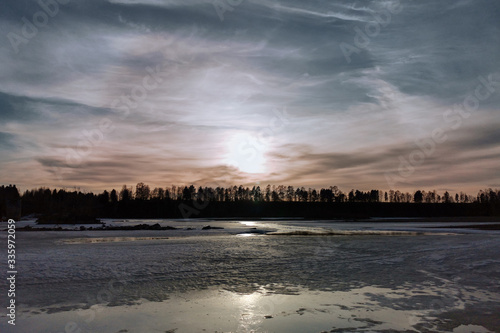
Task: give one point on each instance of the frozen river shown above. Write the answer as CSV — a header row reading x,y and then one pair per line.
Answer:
x,y
257,276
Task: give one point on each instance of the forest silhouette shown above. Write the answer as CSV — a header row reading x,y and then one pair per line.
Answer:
x,y
66,206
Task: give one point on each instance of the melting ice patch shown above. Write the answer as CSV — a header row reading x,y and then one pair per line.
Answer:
x,y
349,233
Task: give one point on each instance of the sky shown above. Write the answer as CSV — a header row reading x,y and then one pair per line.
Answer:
x,y
359,94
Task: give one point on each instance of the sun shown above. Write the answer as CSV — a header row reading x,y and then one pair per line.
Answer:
x,y
247,153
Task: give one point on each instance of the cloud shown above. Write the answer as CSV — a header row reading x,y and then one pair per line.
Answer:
x,y
6,140
347,123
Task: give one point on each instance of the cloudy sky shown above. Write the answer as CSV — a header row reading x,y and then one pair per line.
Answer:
x,y
359,94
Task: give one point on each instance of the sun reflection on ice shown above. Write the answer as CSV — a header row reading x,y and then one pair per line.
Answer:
x,y
246,235
249,223
250,313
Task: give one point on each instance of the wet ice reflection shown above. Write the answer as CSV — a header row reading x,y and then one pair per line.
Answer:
x,y
366,309
250,314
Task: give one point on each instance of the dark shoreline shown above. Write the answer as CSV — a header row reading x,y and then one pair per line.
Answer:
x,y
401,221
475,227
451,219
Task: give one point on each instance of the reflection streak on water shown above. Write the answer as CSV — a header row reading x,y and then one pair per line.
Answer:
x,y
249,314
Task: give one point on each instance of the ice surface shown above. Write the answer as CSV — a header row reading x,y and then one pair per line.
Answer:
x,y
382,276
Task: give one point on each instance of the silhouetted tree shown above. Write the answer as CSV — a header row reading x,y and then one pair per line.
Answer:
x,y
113,197
267,195
125,193
142,191
418,197
352,197
10,203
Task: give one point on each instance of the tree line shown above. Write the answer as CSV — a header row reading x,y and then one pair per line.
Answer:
x,y
10,204
142,201
277,193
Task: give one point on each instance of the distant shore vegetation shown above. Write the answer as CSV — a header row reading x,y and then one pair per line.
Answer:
x,y
142,201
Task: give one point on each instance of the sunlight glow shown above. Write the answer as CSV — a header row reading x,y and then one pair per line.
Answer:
x,y
246,153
